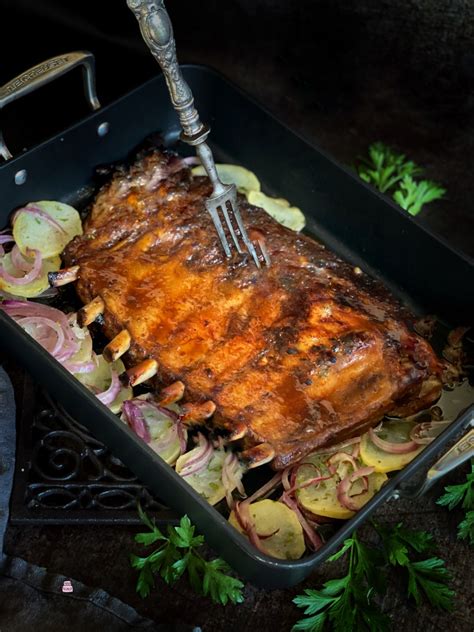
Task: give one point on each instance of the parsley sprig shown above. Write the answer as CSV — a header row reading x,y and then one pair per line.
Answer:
x,y
350,603
428,576
176,554
347,603
391,173
462,494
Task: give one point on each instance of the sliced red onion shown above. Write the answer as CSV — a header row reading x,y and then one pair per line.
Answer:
x,y
38,212
289,482
108,396
315,542
190,161
225,476
49,292
169,413
345,485
265,490
135,419
420,433
390,446
4,239
336,448
231,478
19,260
30,276
161,172
176,430
340,457
285,478
19,309
53,340
242,513
181,437
80,367
200,459
167,439
356,449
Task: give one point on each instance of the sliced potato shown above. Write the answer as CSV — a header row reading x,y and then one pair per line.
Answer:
x,y
32,231
100,378
36,287
243,179
279,209
270,516
208,481
396,432
321,498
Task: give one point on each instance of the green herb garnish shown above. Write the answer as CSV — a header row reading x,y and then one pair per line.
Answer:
x,y
428,576
176,554
391,173
347,603
462,494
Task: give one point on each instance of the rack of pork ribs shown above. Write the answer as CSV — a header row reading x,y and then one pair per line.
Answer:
x,y
282,360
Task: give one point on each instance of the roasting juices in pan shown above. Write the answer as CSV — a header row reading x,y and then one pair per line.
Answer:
x,y
292,365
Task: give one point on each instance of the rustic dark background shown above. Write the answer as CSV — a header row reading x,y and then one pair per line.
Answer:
x,y
343,73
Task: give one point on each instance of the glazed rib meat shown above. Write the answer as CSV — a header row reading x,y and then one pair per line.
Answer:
x,y
295,356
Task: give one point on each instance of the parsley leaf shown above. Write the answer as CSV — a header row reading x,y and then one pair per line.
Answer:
x,y
385,168
462,494
466,528
412,195
428,576
391,173
176,554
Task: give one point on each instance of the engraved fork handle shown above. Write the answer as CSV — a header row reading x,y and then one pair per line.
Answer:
x,y
157,31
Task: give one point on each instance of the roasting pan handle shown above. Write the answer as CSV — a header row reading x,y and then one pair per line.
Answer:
x,y
43,73
459,453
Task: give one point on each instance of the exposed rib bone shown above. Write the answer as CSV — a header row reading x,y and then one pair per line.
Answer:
x,y
87,314
63,277
197,413
139,373
117,346
258,455
171,394
239,432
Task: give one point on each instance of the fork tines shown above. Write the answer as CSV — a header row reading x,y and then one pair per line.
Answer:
x,y
226,203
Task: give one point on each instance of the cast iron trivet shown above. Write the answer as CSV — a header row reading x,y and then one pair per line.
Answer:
x,y
63,474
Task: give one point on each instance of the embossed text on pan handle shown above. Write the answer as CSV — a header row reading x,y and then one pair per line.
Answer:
x,y
157,31
43,73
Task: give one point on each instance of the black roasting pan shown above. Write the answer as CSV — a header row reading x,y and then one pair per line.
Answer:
x,y
343,212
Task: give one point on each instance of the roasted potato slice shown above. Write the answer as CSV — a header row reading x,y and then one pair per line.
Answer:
x,y
46,226
243,179
273,517
396,432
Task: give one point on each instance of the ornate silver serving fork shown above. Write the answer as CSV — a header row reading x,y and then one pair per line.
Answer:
x,y
157,31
